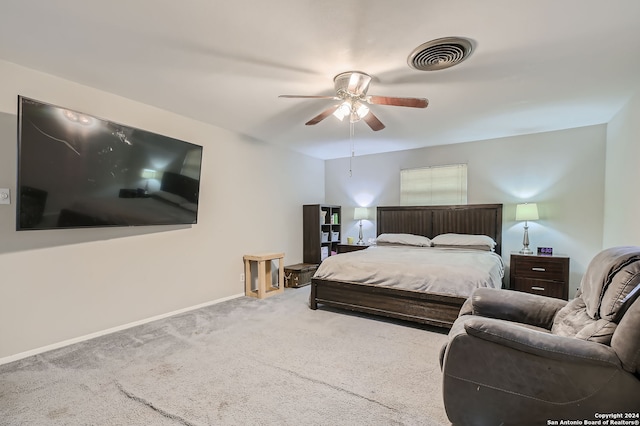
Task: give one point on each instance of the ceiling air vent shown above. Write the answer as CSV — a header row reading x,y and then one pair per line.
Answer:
x,y
440,53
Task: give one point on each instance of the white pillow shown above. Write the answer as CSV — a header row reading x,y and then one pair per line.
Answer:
x,y
404,239
466,240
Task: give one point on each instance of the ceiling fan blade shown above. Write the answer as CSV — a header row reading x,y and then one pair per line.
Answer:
x,y
324,114
373,122
308,97
405,102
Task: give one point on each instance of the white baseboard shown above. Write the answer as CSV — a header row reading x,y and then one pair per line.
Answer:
x,y
64,343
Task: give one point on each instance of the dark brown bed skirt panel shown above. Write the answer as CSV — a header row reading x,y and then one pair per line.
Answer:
x,y
415,306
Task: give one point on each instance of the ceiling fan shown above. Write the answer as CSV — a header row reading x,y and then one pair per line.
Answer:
x,y
351,90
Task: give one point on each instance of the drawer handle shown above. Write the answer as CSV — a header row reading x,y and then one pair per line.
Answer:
x,y
537,288
538,269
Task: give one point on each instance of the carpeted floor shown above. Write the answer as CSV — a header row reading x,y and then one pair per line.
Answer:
x,y
242,362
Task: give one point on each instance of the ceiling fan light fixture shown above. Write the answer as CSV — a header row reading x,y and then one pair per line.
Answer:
x,y
351,91
361,109
354,79
343,110
352,82
355,110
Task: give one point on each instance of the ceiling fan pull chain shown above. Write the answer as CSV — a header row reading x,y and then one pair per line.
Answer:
x,y
353,151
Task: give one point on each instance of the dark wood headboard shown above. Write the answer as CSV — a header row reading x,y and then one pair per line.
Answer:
x,y
429,221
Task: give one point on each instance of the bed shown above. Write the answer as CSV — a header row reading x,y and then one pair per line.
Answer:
x,y
433,306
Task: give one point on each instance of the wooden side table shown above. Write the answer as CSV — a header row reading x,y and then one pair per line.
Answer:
x,y
264,273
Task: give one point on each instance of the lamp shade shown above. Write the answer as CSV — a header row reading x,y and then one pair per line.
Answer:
x,y
527,211
360,213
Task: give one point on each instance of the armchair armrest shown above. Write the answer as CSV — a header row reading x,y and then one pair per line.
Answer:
x,y
540,343
516,306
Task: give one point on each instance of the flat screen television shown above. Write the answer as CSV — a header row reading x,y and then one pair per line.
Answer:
x,y
77,171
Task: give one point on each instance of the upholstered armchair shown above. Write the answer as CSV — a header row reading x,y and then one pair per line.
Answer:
x,y
518,358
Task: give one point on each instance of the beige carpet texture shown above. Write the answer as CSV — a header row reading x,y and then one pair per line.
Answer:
x,y
242,362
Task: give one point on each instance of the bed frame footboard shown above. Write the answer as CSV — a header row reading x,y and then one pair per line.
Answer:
x,y
425,308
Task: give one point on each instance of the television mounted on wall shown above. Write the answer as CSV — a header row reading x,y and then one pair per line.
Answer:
x,y
76,170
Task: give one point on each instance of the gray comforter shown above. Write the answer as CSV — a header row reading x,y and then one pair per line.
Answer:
x,y
449,271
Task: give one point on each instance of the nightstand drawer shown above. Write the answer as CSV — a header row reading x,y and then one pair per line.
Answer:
x,y
540,268
541,287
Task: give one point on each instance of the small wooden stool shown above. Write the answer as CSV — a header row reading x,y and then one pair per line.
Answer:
x,y
264,273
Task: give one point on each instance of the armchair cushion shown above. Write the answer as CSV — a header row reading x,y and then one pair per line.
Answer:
x,y
516,306
622,291
610,276
626,340
574,321
540,343
608,288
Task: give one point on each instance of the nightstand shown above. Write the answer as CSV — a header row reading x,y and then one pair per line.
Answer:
x,y
346,248
543,275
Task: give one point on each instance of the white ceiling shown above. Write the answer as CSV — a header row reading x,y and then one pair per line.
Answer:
x,y
537,65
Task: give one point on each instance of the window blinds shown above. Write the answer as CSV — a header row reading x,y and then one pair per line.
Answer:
x,y
437,185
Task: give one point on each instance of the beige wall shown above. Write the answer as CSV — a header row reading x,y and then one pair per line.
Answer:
x,y
562,171
63,284
622,203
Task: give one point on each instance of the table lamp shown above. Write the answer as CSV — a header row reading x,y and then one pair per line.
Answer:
x,y
358,214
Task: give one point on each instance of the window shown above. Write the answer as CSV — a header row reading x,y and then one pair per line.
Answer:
x,y
435,185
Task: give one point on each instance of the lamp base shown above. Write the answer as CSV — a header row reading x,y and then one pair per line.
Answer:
x,y
525,241
360,241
